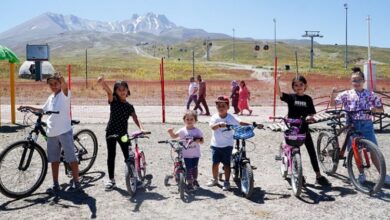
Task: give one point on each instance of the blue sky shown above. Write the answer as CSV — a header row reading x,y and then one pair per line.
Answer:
x,y
250,18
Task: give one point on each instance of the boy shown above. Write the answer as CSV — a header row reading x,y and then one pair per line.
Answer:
x,y
59,130
222,141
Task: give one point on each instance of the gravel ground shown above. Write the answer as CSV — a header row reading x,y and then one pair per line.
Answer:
x,y
272,196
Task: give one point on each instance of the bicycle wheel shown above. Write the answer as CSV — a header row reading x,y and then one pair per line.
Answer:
x,y
142,166
296,175
327,153
86,148
181,185
369,178
283,162
131,179
18,182
247,180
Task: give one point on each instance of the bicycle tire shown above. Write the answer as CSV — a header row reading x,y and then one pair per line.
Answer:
x,y
86,155
131,180
35,184
283,167
373,149
323,153
142,166
296,174
181,185
246,183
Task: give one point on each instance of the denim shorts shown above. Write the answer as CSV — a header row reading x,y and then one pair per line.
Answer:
x,y
366,128
191,163
64,141
222,155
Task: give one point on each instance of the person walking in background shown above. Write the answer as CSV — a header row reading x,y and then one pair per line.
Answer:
x,y
192,93
235,96
202,97
244,97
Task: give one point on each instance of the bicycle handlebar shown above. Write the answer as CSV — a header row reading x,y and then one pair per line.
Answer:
x,y
38,113
338,112
254,125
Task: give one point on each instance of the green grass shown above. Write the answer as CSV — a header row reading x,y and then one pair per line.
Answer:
x,y
117,62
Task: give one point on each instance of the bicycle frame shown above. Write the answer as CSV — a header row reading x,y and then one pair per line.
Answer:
x,y
350,133
289,151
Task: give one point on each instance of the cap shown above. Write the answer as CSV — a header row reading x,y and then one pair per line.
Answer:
x,y
222,99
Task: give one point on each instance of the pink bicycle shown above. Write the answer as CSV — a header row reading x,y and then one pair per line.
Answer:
x,y
136,164
290,154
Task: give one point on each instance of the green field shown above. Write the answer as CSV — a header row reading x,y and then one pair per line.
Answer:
x,y
118,62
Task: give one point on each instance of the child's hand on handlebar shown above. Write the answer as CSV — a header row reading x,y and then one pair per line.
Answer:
x,y
222,125
310,119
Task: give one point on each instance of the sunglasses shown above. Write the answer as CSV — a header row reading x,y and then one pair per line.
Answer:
x,y
299,84
357,80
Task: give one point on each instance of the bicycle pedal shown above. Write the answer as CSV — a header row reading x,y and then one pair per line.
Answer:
x,y
254,167
278,158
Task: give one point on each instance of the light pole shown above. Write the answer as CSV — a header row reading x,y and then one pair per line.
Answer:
x,y
234,48
346,36
312,35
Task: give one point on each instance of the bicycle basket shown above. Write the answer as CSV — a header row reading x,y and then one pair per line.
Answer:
x,y
294,139
243,132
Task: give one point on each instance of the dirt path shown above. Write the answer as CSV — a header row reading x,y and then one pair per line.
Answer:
x,y
272,197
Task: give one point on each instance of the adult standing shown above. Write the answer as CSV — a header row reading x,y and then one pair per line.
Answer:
x,y
235,96
192,93
202,96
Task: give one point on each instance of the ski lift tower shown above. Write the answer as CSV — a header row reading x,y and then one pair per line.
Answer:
x,y
312,35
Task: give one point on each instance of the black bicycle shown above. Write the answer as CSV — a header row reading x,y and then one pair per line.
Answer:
x,y
23,164
364,161
242,169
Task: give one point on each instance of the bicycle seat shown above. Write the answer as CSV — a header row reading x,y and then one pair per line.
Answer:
x,y
75,122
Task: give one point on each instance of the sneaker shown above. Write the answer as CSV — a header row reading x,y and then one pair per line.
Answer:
x,y
212,182
196,184
190,187
54,188
110,185
387,179
322,181
226,186
362,178
75,187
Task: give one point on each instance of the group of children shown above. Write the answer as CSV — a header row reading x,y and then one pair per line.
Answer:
x,y
59,130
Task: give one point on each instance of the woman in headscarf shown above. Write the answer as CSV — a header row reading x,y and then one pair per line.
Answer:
x,y
235,96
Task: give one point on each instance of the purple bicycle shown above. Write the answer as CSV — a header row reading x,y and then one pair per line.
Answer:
x,y
290,154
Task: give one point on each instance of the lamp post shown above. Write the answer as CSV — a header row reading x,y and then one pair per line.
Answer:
x,y
346,36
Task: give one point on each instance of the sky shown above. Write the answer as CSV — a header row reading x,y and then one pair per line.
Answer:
x,y
249,18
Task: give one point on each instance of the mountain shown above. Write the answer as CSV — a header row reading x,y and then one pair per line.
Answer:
x,y
49,25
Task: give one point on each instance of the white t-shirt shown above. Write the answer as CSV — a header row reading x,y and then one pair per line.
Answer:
x,y
221,137
193,150
58,124
192,87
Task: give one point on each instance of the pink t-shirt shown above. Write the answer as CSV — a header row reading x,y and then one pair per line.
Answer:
x,y
193,150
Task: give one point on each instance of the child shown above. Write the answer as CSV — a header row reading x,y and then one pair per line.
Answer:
x,y
244,97
192,154
120,111
192,93
301,106
222,141
59,131
357,99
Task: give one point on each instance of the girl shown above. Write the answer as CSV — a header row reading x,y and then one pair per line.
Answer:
x,y
120,111
301,105
357,99
235,96
192,154
244,97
